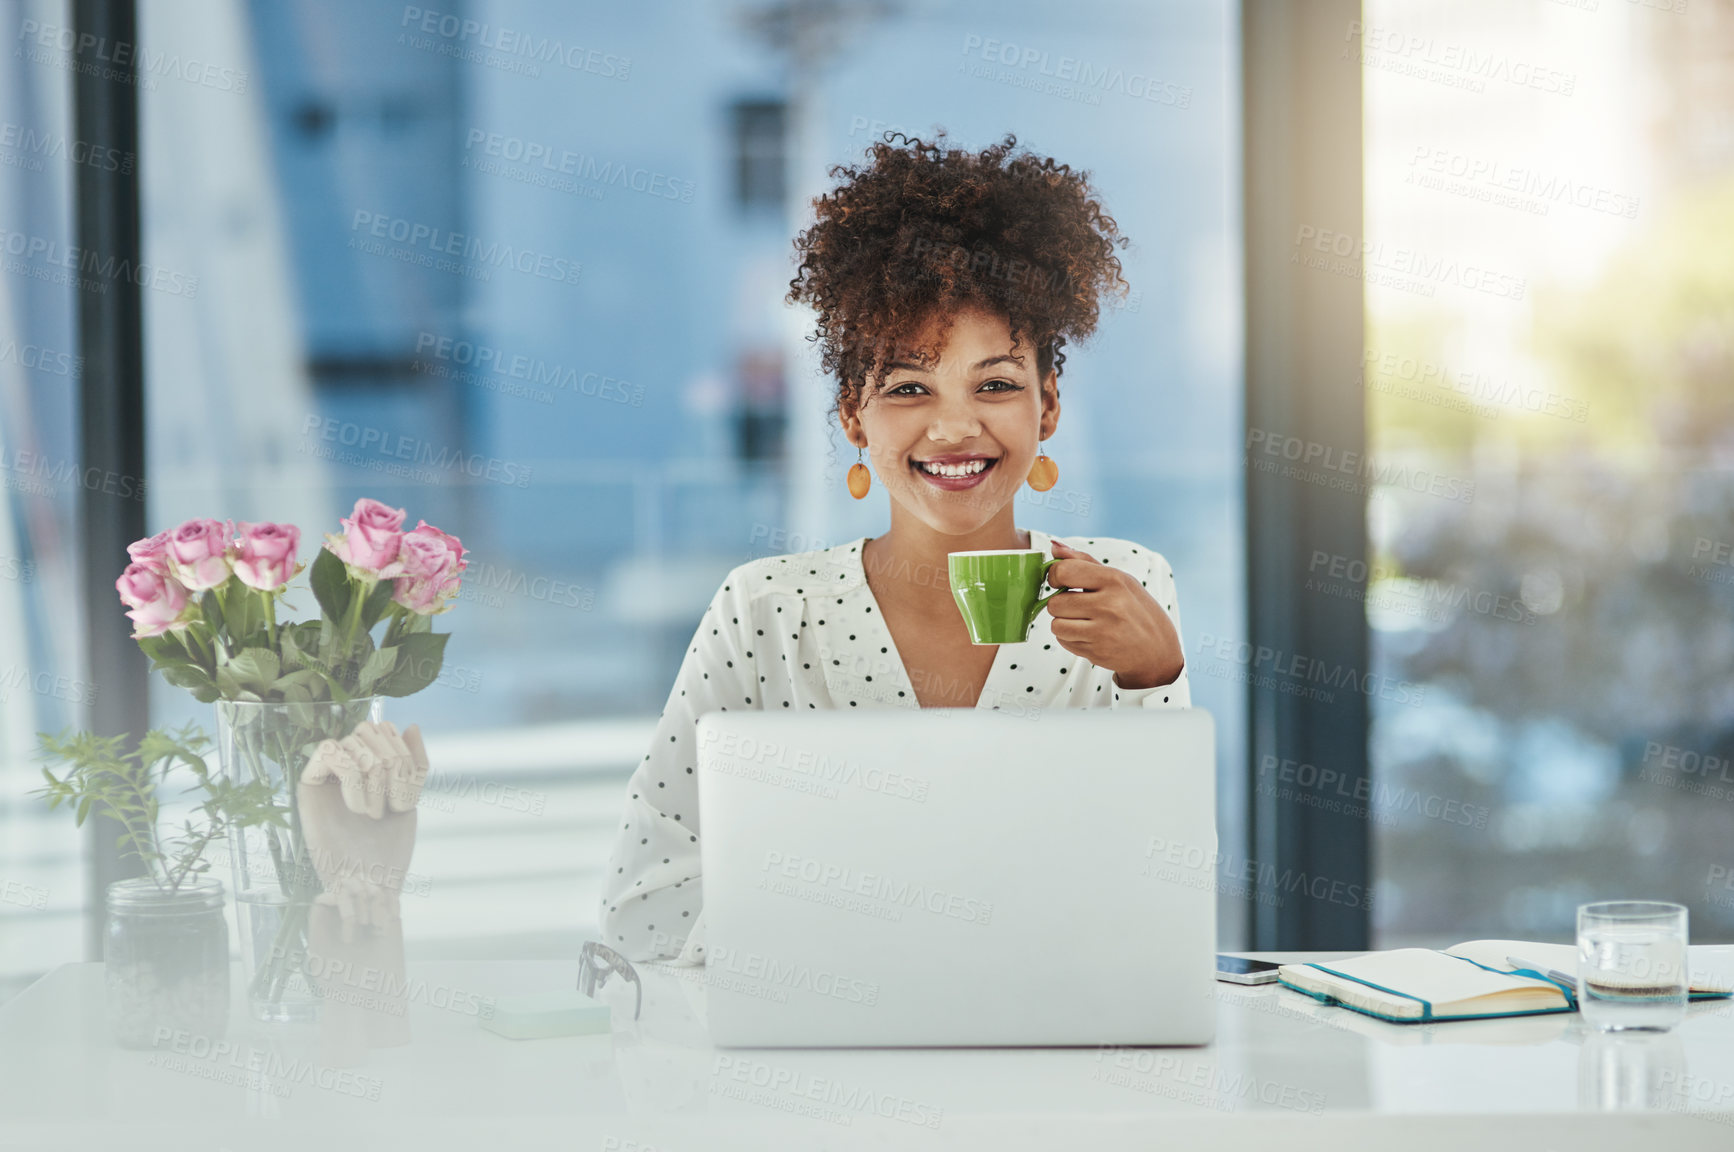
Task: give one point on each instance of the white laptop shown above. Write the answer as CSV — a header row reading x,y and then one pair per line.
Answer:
x,y
959,877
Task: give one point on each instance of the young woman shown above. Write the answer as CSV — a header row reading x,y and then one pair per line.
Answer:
x,y
946,284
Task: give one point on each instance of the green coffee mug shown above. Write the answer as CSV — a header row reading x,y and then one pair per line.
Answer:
x,y
999,592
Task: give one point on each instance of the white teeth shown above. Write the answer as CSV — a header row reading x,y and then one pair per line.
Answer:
x,y
953,470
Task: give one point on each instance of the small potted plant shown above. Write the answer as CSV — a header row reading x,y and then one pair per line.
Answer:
x,y
166,944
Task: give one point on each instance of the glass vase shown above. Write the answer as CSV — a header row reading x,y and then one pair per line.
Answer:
x,y
275,881
165,958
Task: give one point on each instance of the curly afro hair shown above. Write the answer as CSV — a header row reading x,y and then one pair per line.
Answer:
x,y
926,231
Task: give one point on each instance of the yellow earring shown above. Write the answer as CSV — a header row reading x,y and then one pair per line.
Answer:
x,y
1044,473
859,478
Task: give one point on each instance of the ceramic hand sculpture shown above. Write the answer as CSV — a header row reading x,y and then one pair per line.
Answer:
x,y
358,811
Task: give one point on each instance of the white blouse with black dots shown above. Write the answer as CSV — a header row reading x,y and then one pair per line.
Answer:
x,y
803,631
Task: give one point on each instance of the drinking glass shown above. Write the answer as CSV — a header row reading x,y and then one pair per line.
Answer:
x,y
1631,965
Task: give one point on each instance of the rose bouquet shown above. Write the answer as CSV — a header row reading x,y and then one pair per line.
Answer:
x,y
204,600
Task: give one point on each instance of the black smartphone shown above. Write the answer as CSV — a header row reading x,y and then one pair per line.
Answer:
x,y
1237,970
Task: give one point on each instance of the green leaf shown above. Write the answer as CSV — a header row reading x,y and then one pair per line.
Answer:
x,y
418,665
339,693
292,637
377,666
237,602
188,676
228,684
84,809
414,622
306,681
330,580
212,610
255,668
376,603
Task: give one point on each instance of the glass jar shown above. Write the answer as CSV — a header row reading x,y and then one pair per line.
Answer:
x,y
166,960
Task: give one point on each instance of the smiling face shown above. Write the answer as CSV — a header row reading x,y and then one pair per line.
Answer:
x,y
952,439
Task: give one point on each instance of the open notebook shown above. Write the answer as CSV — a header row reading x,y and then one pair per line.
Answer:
x,y
1469,981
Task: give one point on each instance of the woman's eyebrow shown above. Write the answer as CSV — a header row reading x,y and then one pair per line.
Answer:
x,y
976,367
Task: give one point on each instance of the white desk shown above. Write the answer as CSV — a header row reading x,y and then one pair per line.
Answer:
x,y
1285,1075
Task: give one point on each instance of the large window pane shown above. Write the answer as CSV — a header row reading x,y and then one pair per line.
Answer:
x,y
43,683
1550,300
529,287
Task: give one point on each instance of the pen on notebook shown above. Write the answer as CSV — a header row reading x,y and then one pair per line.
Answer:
x,y
1553,974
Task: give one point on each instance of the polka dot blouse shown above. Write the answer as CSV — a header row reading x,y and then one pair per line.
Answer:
x,y
803,632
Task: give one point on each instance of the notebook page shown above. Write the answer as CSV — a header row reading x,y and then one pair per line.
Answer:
x,y
1432,976
1712,965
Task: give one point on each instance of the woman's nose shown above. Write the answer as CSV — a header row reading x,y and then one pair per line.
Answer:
x,y
954,421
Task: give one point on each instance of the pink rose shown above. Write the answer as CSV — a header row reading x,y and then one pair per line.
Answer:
x,y
370,540
433,565
264,556
198,553
152,552
158,601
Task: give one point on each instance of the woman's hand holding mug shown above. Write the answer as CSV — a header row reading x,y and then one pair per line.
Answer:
x,y
1112,621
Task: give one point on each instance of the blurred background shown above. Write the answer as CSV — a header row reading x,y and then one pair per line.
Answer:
x,y
518,268
1550,318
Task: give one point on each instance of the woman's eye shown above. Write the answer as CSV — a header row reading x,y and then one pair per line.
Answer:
x,y
1005,386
